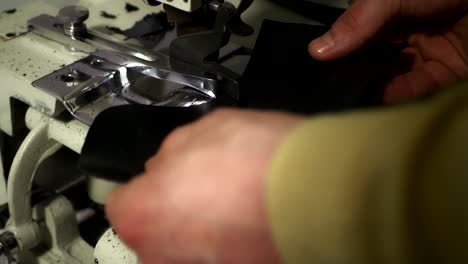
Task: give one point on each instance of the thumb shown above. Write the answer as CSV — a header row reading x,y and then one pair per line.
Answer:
x,y
362,21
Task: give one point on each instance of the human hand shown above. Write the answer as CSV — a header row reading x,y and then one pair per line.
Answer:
x,y
201,199
436,31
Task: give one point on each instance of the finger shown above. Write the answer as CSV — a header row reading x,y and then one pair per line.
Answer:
x,y
459,38
127,206
440,48
429,78
362,21
410,59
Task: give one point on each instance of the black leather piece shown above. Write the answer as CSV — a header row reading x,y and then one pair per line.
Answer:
x,y
121,139
281,74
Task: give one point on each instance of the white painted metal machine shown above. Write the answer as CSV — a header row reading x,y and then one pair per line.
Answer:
x,y
64,62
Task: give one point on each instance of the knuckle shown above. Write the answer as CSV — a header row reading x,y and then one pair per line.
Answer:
x,y
175,139
151,163
347,23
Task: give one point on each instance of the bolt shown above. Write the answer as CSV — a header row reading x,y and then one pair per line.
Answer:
x,y
72,18
73,14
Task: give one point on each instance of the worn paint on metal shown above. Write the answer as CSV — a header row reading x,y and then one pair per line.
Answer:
x,y
110,249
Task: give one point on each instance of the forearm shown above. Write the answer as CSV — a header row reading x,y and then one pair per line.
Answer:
x,y
340,186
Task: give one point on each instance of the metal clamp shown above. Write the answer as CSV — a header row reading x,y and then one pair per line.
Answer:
x,y
108,77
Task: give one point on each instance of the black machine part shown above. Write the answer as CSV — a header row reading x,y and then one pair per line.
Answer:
x,y
122,138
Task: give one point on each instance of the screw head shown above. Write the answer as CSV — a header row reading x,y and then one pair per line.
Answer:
x,y
73,14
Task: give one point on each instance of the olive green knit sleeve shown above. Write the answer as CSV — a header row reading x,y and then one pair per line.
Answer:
x,y
352,187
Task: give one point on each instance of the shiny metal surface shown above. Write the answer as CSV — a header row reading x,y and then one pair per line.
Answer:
x,y
162,69
156,64
100,81
116,73
51,28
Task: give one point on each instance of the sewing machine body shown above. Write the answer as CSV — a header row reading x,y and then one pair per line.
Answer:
x,y
47,230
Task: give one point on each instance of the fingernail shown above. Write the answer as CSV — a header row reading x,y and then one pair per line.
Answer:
x,y
323,44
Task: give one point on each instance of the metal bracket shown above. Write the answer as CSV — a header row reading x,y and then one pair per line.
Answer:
x,y
27,224
108,77
36,148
